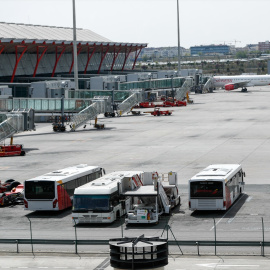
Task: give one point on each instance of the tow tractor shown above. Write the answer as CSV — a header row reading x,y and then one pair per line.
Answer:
x,y
153,199
158,112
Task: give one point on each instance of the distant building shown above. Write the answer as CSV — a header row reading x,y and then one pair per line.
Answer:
x,y
264,46
210,50
162,52
252,47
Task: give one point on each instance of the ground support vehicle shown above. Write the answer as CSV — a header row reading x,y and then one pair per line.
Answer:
x,y
59,127
154,198
11,150
54,191
146,105
101,201
158,112
175,103
11,192
8,185
109,114
216,187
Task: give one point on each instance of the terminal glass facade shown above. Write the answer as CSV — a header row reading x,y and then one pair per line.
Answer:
x,y
119,96
153,84
44,104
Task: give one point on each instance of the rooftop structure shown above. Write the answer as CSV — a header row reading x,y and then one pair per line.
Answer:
x,y
34,49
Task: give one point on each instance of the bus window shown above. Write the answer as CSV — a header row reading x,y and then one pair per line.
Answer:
x,y
39,190
202,189
91,202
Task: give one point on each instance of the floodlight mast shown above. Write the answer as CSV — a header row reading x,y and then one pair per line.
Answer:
x,y
179,52
75,48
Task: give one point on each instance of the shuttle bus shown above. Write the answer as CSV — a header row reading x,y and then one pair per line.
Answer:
x,y
216,187
101,201
54,191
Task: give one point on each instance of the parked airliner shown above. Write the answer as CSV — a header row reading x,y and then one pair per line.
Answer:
x,y
233,82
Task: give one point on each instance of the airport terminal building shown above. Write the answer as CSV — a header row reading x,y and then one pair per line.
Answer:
x,y
35,50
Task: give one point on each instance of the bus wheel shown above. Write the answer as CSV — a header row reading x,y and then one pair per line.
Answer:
x,y
117,215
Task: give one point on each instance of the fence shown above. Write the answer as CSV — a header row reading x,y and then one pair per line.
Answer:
x,y
212,241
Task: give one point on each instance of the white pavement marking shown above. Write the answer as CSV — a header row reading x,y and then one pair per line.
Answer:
x,y
231,220
216,265
227,212
249,199
237,265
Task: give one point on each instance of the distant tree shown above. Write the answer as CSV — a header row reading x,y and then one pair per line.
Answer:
x,y
144,67
145,58
241,54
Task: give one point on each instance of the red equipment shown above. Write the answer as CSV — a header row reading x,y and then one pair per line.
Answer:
x,y
147,105
230,87
11,192
158,112
172,103
11,150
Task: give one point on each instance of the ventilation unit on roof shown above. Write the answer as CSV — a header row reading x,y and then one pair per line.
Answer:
x,y
81,165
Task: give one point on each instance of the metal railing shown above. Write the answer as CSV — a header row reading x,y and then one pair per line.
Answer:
x,y
130,102
180,93
12,125
196,244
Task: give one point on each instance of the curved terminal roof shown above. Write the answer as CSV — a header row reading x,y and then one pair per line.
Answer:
x,y
18,39
52,33
35,35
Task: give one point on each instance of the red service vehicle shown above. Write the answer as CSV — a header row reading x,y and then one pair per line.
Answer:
x,y
147,105
158,112
11,150
175,103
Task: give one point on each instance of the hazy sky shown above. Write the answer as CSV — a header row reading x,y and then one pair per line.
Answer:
x,y
152,21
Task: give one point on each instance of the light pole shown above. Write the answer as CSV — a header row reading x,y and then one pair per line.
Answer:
x,y
179,52
75,48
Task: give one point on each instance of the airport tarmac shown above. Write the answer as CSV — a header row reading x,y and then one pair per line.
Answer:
x,y
101,262
220,127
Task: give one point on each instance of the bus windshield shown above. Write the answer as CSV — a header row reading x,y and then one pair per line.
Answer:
x,y
91,202
205,189
39,190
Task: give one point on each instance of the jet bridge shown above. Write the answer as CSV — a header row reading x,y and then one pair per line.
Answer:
x,y
15,122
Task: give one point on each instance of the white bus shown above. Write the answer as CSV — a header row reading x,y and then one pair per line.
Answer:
x,y
101,201
54,191
216,187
